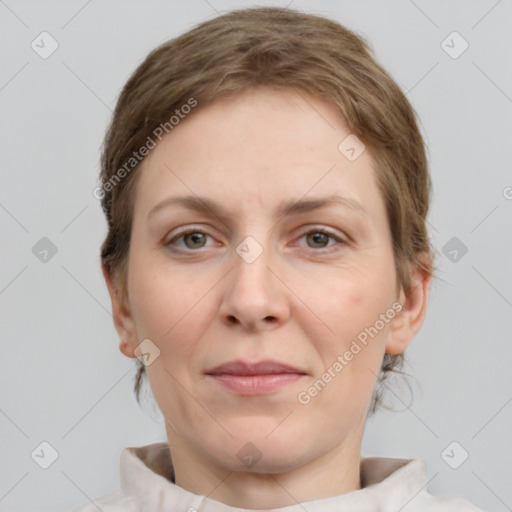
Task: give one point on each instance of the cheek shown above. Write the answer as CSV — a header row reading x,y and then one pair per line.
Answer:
x,y
350,302
168,308
351,358
352,310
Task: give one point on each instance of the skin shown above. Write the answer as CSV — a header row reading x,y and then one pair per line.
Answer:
x,y
302,301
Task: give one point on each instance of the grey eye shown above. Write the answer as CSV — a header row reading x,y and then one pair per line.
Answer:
x,y
194,240
318,239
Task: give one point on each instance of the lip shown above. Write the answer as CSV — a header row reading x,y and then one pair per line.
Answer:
x,y
256,378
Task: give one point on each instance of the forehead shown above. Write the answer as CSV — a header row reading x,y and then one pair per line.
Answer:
x,y
256,148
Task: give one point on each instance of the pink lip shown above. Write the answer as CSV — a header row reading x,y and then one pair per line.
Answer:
x,y
255,378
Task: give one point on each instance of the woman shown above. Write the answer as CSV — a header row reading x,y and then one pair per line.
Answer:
x,y
266,190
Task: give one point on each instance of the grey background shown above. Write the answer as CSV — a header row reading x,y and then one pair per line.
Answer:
x,y
63,379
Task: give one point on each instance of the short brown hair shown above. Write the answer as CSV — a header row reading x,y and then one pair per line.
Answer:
x,y
280,48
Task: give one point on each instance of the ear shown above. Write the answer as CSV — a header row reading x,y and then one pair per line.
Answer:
x,y
409,320
123,320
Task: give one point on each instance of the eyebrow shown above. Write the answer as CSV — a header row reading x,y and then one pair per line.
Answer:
x,y
290,207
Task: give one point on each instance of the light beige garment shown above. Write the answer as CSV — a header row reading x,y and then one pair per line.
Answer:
x,y
389,485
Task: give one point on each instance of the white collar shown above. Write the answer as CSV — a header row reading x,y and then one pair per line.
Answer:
x,y
388,484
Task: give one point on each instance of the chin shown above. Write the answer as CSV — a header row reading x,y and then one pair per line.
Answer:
x,y
253,458
257,446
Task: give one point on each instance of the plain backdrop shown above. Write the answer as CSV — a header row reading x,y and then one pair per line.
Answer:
x,y
63,379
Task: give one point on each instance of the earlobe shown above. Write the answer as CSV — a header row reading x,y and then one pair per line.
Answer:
x,y
409,320
123,320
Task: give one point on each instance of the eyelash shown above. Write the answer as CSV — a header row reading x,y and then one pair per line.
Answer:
x,y
311,231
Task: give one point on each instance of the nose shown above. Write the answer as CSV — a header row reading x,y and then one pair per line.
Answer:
x,y
255,297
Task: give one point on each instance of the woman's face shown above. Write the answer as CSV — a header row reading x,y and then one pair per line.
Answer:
x,y
288,258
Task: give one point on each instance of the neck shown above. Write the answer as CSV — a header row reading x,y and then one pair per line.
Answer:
x,y
331,474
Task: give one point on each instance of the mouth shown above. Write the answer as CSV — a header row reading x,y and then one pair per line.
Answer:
x,y
257,378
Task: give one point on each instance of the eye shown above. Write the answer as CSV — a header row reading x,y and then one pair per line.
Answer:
x,y
193,239
319,239
190,240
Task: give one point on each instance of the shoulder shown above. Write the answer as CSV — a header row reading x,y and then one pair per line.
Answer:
x,y
401,484
116,501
